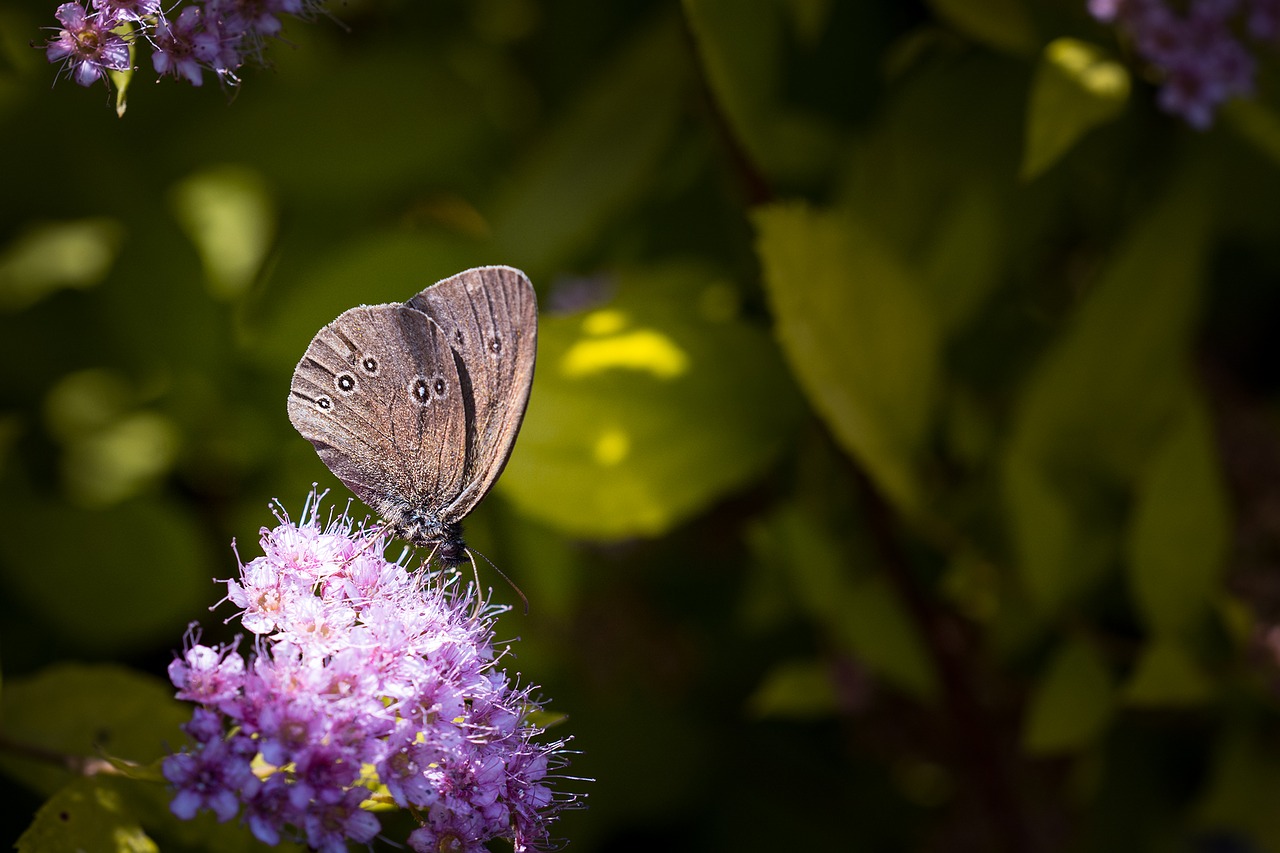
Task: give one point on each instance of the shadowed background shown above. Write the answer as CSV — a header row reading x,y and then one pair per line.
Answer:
x,y
900,471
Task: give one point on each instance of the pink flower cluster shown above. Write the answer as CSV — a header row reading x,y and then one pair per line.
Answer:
x,y
368,684
185,41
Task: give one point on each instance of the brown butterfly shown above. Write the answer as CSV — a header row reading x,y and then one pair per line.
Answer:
x,y
415,407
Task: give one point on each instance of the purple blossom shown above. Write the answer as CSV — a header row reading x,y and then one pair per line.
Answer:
x,y
1195,48
1263,20
360,667
215,777
127,10
183,47
86,45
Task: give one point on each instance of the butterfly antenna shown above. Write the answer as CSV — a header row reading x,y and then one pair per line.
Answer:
x,y
523,598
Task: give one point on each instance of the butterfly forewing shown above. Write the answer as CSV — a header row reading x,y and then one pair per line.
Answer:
x,y
379,395
489,316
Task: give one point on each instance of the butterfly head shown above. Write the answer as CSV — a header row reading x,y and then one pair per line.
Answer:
x,y
424,530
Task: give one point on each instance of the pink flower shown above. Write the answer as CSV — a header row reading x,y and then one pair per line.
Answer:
x,y
360,663
86,45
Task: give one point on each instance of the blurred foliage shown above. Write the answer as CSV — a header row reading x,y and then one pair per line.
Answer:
x,y
901,469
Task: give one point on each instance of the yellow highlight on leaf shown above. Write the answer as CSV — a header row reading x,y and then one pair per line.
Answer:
x,y
604,322
611,447
643,350
1089,67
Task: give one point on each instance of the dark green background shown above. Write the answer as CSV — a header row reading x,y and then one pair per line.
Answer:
x,y
901,468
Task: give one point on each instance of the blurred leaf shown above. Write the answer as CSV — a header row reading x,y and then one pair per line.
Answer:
x,y
365,126
1094,408
86,402
110,453
808,17
83,711
599,158
1241,792
1077,87
152,771
1073,703
114,814
1167,675
1061,551
119,462
1181,527
859,336
1255,122
111,579
933,171
46,258
963,259
229,215
795,690
851,601
368,269
87,815
605,451
741,49
1001,24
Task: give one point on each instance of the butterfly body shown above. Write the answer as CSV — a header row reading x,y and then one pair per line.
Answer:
x,y
416,406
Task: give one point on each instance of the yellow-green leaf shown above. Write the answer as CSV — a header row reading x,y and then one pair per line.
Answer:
x,y
859,335
607,449
795,690
1002,24
1099,402
600,156
1181,526
87,815
1167,675
1073,703
1077,87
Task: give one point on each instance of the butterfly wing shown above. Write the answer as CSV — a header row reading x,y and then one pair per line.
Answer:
x,y
378,393
489,315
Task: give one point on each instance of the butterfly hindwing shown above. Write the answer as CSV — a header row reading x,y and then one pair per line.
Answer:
x,y
489,315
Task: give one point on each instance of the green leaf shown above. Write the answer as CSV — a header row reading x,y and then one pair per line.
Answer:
x,y
1099,402
808,18
606,450
121,79
1167,675
795,690
1073,703
599,159
859,335
741,48
963,258
1241,792
1002,24
741,52
112,814
1255,122
1181,527
75,254
84,712
1077,87
230,217
87,815
1062,549
372,268
132,574
852,602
